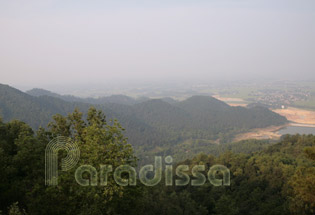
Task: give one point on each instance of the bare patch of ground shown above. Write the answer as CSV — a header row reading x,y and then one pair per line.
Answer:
x,y
260,133
237,104
231,101
297,115
225,99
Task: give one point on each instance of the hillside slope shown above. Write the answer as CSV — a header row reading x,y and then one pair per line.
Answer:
x,y
150,123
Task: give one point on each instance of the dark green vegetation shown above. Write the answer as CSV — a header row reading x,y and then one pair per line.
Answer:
x,y
22,165
278,179
153,126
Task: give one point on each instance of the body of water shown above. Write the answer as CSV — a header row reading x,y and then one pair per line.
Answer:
x,y
297,129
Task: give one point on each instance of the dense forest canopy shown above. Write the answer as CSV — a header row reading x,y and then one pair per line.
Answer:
x,y
278,179
162,107
267,177
153,126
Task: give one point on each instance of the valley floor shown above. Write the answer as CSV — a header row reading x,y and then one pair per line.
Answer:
x,y
298,115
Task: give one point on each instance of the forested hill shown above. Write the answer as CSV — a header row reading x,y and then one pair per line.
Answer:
x,y
116,99
36,111
276,180
151,122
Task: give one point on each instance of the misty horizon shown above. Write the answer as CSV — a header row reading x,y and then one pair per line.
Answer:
x,y
48,46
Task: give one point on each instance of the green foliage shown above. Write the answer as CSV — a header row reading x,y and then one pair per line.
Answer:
x,y
15,210
150,124
278,179
22,165
266,178
303,185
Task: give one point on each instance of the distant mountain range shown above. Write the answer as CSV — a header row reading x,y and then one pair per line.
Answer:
x,y
149,123
116,99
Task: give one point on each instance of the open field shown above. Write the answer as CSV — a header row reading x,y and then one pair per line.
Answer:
x,y
309,104
295,115
232,101
226,99
298,115
237,104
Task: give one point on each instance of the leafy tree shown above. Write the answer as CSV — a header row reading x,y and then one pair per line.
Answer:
x,y
303,184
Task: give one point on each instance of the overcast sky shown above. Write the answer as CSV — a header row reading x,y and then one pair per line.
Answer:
x,y
46,42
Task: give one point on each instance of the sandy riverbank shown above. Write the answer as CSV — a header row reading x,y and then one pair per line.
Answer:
x,y
261,133
297,115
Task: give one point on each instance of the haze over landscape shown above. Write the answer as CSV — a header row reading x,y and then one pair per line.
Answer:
x,y
157,107
54,44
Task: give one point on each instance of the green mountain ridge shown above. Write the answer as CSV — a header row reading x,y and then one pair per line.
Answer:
x,y
149,124
117,99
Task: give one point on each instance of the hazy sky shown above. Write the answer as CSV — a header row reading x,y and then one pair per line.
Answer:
x,y
49,42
